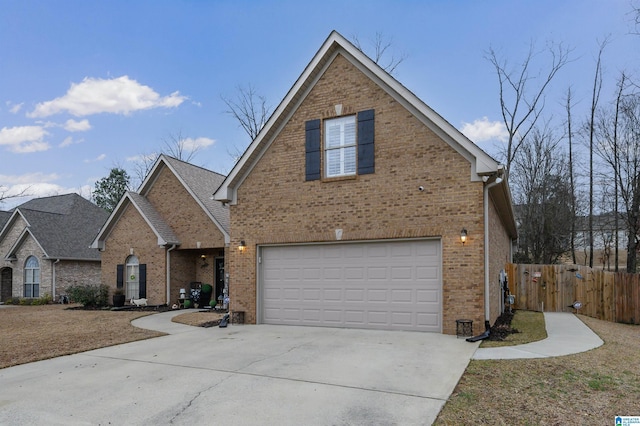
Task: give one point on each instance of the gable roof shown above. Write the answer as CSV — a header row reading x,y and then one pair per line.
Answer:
x,y
4,218
63,226
481,163
197,181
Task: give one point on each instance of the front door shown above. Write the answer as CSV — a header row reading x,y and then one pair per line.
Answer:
x,y
219,277
6,278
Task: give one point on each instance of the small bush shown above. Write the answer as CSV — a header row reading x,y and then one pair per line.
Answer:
x,y
89,295
43,300
25,302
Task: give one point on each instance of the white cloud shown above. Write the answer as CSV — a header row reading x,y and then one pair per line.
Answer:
x,y
482,130
34,185
14,108
24,139
120,95
191,144
29,147
97,159
140,158
68,141
77,126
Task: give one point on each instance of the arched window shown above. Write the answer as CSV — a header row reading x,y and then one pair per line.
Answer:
x,y
132,277
32,277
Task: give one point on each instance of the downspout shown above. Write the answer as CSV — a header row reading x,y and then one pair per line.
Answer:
x,y
53,280
487,312
169,274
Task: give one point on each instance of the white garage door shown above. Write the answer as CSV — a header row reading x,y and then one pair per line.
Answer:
x,y
383,285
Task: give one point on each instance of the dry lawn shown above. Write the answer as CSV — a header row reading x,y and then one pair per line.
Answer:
x,y
33,333
589,388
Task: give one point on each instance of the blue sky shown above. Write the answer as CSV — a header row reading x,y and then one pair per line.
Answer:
x,y
89,85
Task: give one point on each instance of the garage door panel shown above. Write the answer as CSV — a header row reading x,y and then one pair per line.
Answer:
x,y
383,285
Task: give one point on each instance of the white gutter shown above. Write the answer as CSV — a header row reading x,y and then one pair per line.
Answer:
x,y
53,281
169,274
487,311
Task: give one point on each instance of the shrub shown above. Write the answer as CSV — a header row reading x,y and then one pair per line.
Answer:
x,y
43,300
89,295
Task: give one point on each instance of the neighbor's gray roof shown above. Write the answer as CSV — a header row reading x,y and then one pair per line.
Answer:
x,y
64,225
4,217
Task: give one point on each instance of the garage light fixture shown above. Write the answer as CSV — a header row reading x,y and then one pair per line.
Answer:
x,y
242,246
463,235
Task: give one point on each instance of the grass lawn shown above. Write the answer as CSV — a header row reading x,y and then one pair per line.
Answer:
x,y
589,388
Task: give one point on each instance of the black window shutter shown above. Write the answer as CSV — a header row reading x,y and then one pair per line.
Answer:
x,y
312,150
142,271
120,276
366,137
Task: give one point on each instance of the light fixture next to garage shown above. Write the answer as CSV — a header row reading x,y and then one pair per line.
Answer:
x,y
463,235
242,246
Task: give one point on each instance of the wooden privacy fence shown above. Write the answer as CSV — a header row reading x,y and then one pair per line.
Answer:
x,y
609,296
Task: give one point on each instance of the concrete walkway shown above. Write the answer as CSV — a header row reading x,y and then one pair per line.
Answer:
x,y
566,335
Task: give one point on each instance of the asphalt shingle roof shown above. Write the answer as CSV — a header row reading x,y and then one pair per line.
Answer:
x,y
202,183
162,229
64,225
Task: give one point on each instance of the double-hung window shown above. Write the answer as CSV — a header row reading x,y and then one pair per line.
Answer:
x,y
340,146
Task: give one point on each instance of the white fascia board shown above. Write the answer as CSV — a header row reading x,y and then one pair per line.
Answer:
x,y
226,191
98,242
227,237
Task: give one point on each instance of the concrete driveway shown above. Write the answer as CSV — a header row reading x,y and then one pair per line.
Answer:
x,y
242,375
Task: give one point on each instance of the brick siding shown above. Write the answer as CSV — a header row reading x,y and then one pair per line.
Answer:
x,y
276,205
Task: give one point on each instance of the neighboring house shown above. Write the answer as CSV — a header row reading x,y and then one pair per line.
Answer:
x,y
44,246
348,207
166,236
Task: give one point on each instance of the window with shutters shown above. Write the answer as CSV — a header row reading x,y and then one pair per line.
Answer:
x,y
340,146
346,147
132,278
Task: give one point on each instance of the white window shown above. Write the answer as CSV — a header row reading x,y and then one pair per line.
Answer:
x,y
32,277
340,146
132,271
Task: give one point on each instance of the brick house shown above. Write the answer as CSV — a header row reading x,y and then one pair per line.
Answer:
x,y
347,209
167,236
44,246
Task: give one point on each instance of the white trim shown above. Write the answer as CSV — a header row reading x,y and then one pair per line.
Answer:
x,y
481,162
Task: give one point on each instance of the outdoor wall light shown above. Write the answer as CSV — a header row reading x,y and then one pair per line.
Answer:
x,y
242,246
463,235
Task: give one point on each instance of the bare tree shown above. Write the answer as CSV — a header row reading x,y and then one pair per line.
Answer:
x,y
520,104
175,145
572,184
618,145
591,125
5,193
543,198
381,54
250,110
